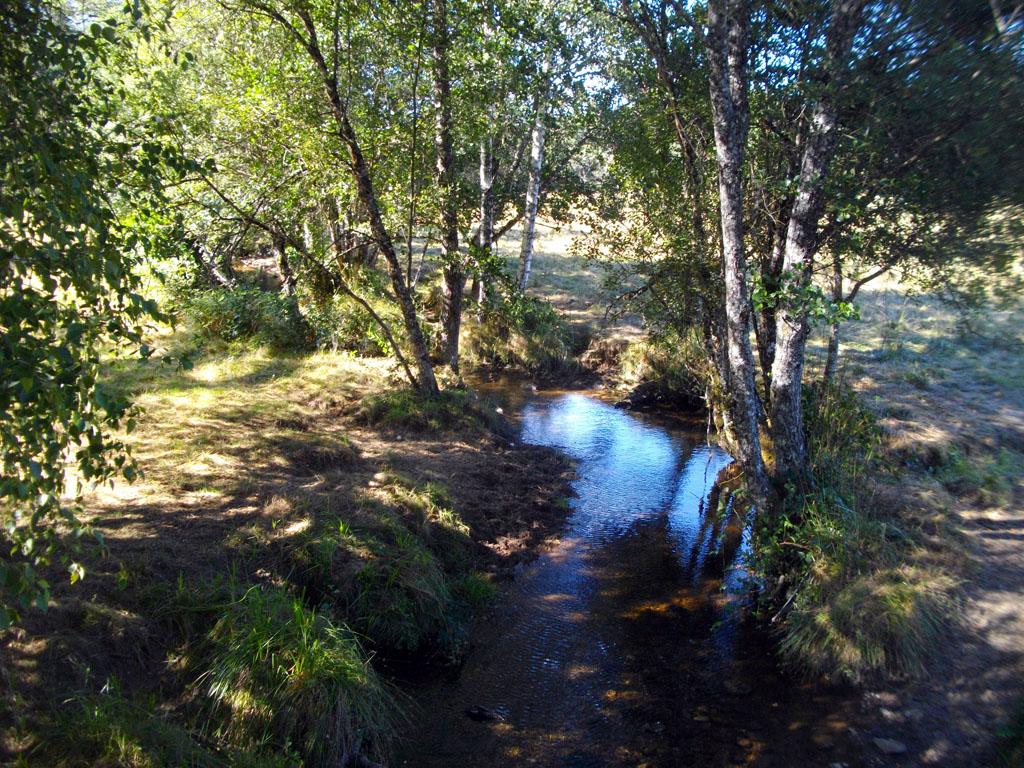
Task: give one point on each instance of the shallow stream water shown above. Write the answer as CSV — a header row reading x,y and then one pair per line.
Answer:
x,y
626,644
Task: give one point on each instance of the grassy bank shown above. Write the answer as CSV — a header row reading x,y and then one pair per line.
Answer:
x,y
299,517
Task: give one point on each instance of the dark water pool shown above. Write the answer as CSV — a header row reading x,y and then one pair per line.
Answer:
x,y
625,645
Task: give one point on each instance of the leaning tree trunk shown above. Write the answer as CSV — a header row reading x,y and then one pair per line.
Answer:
x,y
728,25
532,193
790,442
453,272
367,195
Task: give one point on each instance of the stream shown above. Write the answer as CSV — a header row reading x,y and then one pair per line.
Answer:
x,y
626,644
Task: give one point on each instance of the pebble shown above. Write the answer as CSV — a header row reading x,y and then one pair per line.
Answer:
x,y
737,689
890,746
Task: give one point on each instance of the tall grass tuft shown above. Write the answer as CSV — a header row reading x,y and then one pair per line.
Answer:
x,y
281,677
850,593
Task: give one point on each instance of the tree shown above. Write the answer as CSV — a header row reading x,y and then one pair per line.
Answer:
x,y
728,30
454,278
788,438
81,204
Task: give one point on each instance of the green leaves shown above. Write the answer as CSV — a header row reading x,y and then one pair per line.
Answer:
x,y
79,188
799,297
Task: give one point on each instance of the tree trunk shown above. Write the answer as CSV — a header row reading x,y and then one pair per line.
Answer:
x,y
790,442
532,191
283,266
485,235
453,272
728,26
832,361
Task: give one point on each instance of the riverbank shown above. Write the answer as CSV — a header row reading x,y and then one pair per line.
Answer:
x,y
301,483
951,400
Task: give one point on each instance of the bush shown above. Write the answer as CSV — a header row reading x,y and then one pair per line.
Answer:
x,y
522,333
677,363
248,314
280,677
853,604
339,322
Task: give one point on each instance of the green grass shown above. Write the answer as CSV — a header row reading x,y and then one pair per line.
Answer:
x,y
986,478
105,729
280,677
864,599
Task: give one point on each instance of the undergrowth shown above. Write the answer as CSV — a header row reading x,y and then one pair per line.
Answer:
x,y
248,314
850,593
522,333
448,411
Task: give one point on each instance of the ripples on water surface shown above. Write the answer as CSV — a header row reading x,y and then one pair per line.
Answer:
x,y
617,647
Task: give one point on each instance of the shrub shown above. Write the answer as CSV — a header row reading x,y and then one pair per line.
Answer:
x,y
339,322
677,363
281,677
523,333
248,314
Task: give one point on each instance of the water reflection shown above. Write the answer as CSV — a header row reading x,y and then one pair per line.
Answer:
x,y
608,649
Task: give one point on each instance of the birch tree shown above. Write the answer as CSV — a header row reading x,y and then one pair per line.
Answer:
x,y
727,42
533,182
453,273
789,440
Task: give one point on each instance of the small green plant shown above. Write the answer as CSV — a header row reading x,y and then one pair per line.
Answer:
x,y
475,590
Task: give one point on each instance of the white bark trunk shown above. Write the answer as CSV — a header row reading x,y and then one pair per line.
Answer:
x,y
728,24
790,442
532,192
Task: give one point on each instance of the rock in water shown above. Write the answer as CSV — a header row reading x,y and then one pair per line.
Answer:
x,y
890,746
483,714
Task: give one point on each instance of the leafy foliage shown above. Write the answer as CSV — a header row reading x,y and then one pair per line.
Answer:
x,y
80,204
249,314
